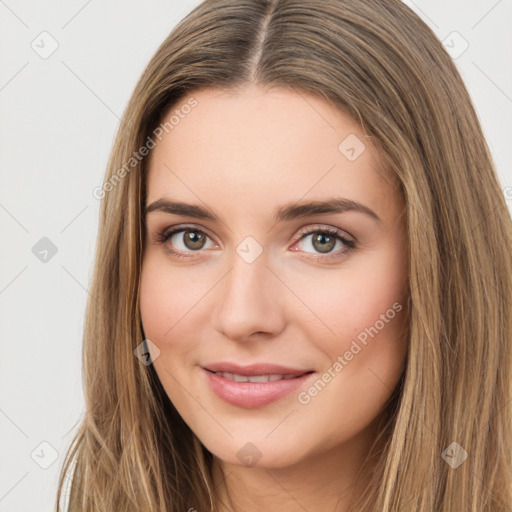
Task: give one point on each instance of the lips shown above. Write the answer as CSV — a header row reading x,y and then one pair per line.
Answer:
x,y
253,385
236,377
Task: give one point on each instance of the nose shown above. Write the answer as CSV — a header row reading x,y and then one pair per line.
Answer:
x,y
250,300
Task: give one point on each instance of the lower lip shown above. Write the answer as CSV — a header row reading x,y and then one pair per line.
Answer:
x,y
253,394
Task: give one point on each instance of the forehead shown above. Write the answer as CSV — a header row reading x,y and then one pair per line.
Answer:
x,y
257,147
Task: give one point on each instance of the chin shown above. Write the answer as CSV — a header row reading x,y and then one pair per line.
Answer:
x,y
260,454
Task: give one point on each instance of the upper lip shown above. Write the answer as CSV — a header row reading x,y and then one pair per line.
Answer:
x,y
254,369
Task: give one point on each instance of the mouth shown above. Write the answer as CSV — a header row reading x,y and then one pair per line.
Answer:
x,y
252,387
238,377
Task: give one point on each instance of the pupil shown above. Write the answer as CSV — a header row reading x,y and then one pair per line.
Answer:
x,y
194,240
320,239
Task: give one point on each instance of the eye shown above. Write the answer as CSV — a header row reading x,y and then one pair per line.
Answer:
x,y
324,240
182,240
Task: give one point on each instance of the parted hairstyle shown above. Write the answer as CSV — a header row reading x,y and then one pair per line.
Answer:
x,y
379,62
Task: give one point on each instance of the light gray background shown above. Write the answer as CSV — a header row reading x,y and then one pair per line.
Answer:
x,y
58,117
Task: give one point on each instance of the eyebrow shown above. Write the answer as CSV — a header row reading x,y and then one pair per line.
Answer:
x,y
285,212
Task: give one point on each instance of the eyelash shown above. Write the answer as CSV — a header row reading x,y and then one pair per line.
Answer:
x,y
161,237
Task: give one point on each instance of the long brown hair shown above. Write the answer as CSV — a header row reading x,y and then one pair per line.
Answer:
x,y
379,62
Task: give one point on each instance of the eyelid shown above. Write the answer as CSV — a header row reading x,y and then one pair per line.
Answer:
x,y
323,228
304,231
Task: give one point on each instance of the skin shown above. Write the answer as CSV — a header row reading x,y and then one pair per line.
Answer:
x,y
242,154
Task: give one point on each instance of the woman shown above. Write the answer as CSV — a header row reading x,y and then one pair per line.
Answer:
x,y
303,278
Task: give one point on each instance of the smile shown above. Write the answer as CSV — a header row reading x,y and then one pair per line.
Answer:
x,y
236,377
255,390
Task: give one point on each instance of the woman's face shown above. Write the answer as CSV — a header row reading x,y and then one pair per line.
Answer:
x,y
289,258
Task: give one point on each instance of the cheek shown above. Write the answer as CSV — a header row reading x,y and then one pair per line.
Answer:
x,y
363,300
155,303
365,352
166,300
168,297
